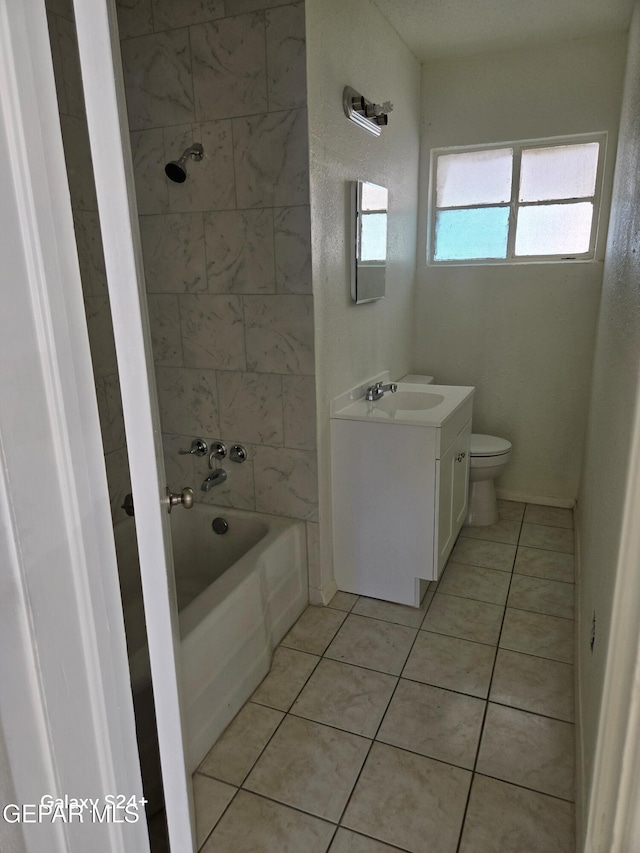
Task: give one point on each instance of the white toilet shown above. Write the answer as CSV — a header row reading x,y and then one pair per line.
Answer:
x,y
489,457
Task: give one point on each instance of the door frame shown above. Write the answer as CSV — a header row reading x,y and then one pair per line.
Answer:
x,y
66,720
613,816
106,111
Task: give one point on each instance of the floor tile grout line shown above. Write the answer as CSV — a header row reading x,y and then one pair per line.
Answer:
x,y
373,838
542,578
289,806
333,726
332,839
533,713
339,823
289,712
486,706
470,598
525,788
384,714
551,550
403,677
541,613
400,678
284,716
333,636
224,811
386,621
456,637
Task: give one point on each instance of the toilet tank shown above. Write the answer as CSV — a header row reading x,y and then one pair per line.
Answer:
x,y
417,379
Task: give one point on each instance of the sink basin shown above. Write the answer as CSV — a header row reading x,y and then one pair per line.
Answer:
x,y
412,404
409,401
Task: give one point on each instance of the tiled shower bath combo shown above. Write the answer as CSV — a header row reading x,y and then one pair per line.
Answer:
x,y
227,253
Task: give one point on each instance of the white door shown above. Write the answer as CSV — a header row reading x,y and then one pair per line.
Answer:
x,y
108,131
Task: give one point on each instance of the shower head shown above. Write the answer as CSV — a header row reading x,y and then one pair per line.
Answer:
x,y
176,170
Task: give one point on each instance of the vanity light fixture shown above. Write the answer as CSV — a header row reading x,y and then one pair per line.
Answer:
x,y
364,113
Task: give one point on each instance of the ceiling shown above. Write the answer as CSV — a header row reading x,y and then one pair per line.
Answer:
x,y
437,28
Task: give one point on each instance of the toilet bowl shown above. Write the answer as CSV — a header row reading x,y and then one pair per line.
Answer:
x,y
489,456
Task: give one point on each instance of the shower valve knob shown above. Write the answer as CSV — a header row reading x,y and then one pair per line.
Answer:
x,y
198,448
218,451
238,453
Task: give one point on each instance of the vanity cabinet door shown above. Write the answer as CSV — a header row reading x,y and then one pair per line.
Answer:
x,y
453,488
461,478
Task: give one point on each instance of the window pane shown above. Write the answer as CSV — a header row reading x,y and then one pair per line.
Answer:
x,y
554,229
373,237
469,234
563,171
374,197
477,177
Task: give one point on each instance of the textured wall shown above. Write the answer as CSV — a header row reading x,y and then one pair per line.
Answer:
x,y
522,334
75,137
227,253
612,417
352,43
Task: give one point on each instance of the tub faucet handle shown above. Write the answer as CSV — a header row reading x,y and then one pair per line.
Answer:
x,y
218,451
198,448
185,497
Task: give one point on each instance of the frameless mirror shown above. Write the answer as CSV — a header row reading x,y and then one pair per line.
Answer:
x,y
369,207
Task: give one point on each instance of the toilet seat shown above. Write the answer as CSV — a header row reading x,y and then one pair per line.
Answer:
x,y
488,445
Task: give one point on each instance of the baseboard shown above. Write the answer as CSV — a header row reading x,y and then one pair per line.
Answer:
x,y
507,495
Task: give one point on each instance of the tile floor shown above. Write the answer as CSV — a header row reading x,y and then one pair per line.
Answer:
x,y
447,729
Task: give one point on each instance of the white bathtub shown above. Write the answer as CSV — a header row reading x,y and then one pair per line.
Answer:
x,y
238,595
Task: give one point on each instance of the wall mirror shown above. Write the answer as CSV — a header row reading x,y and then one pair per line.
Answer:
x,y
369,207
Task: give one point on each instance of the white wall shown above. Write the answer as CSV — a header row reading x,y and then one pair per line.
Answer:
x,y
609,463
523,335
353,44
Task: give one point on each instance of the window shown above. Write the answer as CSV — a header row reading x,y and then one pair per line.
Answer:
x,y
516,203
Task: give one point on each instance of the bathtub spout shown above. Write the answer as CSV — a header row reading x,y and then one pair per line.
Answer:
x,y
215,478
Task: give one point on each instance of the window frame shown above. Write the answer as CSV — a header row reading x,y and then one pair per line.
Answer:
x,y
514,204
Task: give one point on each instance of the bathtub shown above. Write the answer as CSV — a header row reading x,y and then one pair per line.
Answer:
x,y
238,595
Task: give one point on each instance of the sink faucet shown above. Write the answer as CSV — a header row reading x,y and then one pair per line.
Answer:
x,y
215,478
374,392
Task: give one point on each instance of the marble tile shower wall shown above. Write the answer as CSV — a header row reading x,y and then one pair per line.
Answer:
x,y
227,253
66,66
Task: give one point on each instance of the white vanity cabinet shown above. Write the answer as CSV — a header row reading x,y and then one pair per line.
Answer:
x,y
400,486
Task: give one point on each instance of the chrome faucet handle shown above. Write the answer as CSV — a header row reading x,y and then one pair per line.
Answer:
x,y
199,447
238,453
218,451
374,392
